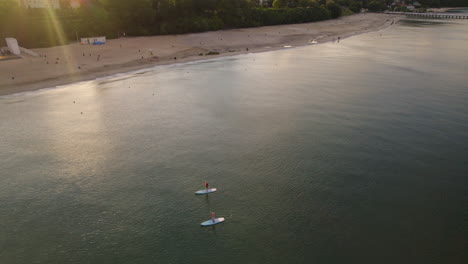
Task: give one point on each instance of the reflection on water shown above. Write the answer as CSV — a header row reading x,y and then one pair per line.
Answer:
x,y
424,22
333,152
457,10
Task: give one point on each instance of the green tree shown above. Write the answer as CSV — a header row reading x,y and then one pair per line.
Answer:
x,y
267,3
280,4
9,12
33,28
64,4
402,9
436,3
376,6
335,10
344,2
132,17
308,3
355,7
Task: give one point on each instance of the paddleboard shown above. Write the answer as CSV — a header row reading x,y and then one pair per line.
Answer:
x,y
206,191
211,222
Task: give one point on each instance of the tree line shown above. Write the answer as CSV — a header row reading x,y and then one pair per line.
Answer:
x,y
44,27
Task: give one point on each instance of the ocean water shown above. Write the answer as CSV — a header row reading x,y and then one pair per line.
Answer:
x,y
349,152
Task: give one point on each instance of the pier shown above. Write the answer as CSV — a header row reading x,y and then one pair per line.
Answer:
x,y
430,15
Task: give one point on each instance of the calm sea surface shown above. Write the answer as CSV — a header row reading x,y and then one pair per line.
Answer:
x,y
350,152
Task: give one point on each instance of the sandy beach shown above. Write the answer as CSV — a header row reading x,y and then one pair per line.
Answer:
x,y
74,62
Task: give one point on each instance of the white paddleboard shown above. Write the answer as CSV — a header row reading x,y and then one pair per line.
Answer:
x,y
213,222
206,191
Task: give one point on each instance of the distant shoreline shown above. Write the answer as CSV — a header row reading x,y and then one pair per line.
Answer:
x,y
74,62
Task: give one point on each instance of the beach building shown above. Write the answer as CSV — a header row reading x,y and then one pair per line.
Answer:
x,y
416,4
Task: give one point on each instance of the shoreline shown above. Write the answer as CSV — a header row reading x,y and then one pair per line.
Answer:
x,y
72,63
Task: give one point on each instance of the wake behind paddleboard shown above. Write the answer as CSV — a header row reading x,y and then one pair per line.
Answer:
x,y
213,221
206,191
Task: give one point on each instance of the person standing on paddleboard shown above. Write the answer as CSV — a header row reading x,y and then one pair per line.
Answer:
x,y
213,216
206,185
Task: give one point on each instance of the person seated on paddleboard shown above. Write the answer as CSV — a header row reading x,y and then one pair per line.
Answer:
x,y
206,185
213,216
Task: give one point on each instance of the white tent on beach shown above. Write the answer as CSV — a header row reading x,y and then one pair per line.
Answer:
x,y
13,46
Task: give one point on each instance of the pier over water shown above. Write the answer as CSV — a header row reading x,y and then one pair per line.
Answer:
x,y
430,15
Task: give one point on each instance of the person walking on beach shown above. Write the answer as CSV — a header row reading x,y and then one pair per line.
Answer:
x,y
206,185
213,216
